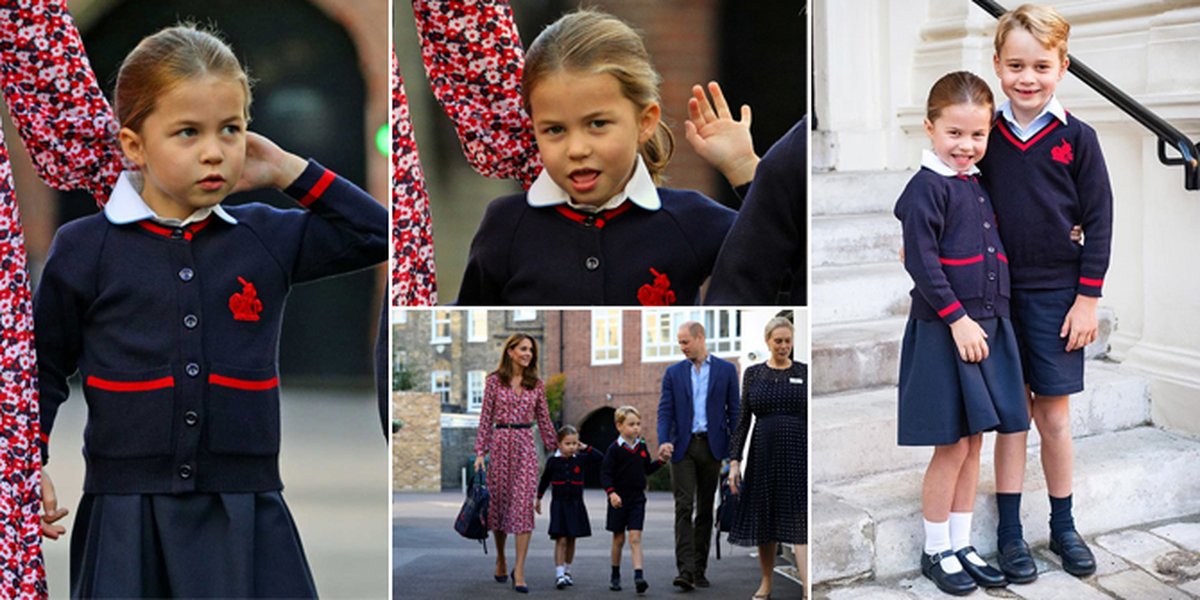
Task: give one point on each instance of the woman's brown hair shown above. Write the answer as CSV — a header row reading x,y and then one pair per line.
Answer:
x,y
163,60
959,87
506,369
590,41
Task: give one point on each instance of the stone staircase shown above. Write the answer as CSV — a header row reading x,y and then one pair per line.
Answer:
x,y
866,489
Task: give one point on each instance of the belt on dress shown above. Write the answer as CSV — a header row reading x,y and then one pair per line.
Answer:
x,y
512,425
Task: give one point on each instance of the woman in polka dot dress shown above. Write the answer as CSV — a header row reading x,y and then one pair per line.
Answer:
x,y
773,507
513,399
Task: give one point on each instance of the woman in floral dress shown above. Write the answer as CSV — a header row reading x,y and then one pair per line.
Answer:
x,y
513,399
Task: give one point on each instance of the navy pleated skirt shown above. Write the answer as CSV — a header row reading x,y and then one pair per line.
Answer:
x,y
203,545
943,398
569,518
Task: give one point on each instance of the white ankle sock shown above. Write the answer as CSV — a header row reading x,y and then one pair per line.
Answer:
x,y
937,540
567,568
559,571
960,536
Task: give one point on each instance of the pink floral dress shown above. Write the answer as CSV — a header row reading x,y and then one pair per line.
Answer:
x,y
512,475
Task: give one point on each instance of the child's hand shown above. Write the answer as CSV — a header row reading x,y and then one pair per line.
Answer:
x,y
665,451
538,507
971,340
268,165
478,463
51,513
735,477
614,500
725,143
1080,324
1077,235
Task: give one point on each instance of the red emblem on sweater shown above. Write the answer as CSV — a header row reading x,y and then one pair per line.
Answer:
x,y
245,304
1062,153
658,293
643,454
576,468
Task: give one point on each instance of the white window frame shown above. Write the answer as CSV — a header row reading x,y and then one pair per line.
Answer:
x,y
476,381
524,314
443,392
606,321
475,319
399,316
721,341
439,317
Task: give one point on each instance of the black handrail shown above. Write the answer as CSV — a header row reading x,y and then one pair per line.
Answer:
x,y
1167,133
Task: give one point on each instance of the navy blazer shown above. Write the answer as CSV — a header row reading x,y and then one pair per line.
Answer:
x,y
675,407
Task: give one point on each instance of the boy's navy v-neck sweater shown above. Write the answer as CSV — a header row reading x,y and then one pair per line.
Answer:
x,y
624,470
524,255
1042,188
175,333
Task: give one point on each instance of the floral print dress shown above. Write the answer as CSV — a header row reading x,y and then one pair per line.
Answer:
x,y
512,475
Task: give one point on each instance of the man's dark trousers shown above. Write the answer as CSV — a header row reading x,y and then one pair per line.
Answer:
x,y
694,481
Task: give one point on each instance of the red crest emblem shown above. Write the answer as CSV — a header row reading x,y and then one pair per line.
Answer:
x,y
576,468
643,454
658,293
1063,153
245,305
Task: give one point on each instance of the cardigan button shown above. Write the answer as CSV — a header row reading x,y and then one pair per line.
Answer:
x,y
592,263
991,249
177,234
192,369
186,274
988,306
987,225
981,200
190,321
191,418
185,471
991,275
589,220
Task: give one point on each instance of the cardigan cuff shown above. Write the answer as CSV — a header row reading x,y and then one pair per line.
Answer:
x,y
953,312
1090,287
311,184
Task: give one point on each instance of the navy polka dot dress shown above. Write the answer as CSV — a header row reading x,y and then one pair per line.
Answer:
x,y
774,502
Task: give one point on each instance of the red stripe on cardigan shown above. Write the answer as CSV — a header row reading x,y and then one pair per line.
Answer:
x,y
601,218
1023,146
319,188
949,309
1091,282
130,386
958,262
243,384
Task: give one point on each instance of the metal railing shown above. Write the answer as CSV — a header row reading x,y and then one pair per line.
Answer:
x,y
1168,135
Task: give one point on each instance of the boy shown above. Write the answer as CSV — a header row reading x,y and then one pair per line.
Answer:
x,y
1044,172
623,475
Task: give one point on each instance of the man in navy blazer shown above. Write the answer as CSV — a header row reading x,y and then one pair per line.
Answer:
x,y
696,414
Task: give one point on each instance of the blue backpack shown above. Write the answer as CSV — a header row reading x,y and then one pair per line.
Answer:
x,y
471,522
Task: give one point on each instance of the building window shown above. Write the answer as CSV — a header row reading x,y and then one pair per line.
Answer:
x,y
723,329
477,326
475,382
399,316
606,337
524,314
439,383
440,327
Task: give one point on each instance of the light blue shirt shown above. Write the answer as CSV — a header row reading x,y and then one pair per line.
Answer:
x,y
1053,110
700,395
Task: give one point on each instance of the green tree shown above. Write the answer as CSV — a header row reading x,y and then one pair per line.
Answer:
x,y
556,387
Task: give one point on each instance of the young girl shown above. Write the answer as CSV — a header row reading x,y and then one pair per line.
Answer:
x,y
565,470
169,304
959,371
594,228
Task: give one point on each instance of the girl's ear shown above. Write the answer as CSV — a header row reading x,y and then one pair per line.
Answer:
x,y
131,145
649,122
929,128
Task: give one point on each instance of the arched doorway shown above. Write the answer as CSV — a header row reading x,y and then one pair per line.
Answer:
x,y
309,97
598,430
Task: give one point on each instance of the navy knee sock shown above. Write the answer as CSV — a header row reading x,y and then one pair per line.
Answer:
x,y
1061,519
1009,527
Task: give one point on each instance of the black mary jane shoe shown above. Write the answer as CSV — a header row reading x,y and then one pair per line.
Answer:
x,y
986,576
1017,562
956,584
1077,558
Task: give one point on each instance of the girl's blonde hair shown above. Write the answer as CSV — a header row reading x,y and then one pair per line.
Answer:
x,y
506,369
959,87
164,60
591,41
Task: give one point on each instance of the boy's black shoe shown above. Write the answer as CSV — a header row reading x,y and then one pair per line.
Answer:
x,y
614,584
701,581
985,576
640,584
684,582
1077,558
957,584
1017,562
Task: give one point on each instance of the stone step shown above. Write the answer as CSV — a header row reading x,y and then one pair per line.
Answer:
x,y
856,432
852,239
861,354
859,292
1121,479
848,192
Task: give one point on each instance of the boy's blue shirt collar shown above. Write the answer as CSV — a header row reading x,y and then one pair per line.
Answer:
x,y
930,161
1053,110
125,205
640,190
621,441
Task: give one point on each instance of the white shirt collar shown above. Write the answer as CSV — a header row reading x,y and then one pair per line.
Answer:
x,y
640,190
558,454
1053,107
621,441
125,205
931,161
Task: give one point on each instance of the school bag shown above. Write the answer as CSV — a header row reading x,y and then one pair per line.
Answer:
x,y
726,509
471,521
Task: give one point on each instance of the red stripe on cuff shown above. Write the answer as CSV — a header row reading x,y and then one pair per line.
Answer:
x,y
958,262
130,386
1091,282
243,384
1002,257
326,178
949,309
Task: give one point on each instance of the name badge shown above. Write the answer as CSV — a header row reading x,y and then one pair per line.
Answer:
x,y
795,380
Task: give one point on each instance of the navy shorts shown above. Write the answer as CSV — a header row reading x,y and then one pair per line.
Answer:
x,y
631,515
1037,317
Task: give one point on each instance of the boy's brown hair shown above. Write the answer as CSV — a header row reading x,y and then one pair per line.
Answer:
x,y
624,412
1044,23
